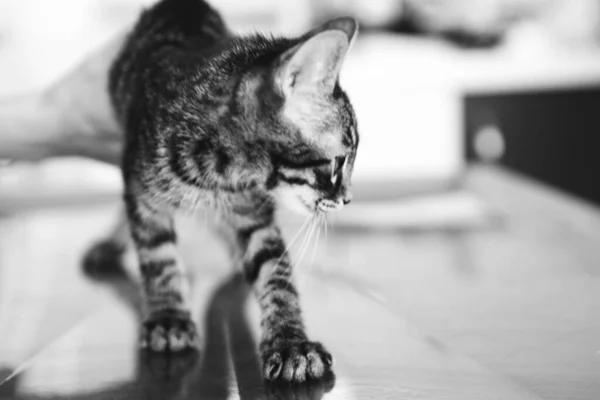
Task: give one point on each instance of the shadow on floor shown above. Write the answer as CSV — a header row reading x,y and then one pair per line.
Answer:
x,y
228,364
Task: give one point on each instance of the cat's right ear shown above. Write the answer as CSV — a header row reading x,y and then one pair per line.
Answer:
x,y
313,66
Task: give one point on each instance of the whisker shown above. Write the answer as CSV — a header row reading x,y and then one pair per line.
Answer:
x,y
326,232
307,234
306,241
307,223
294,240
316,245
325,222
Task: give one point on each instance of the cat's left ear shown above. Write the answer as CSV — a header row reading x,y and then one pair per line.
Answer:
x,y
314,64
347,25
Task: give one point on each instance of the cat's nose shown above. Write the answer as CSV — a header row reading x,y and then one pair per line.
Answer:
x,y
347,199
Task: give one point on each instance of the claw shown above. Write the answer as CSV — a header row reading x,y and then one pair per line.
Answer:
x,y
275,365
296,362
168,333
274,369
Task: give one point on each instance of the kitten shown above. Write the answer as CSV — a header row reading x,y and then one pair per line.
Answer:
x,y
236,126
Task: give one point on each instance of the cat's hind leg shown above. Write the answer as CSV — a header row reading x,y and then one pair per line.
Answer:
x,y
168,326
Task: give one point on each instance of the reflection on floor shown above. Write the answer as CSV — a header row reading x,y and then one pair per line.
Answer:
x,y
107,365
508,313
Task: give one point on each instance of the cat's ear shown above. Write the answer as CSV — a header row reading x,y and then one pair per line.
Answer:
x,y
314,64
347,25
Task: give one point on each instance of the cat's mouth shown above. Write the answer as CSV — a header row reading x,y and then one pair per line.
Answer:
x,y
308,204
322,205
326,205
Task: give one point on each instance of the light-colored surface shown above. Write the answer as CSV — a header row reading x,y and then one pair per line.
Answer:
x,y
387,358
523,299
505,313
413,63
41,40
407,91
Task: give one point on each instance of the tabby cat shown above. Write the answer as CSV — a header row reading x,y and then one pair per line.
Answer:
x,y
233,125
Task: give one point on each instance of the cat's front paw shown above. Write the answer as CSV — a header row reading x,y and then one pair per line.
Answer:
x,y
169,331
295,360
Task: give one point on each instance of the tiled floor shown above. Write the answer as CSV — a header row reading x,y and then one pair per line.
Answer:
x,y
509,312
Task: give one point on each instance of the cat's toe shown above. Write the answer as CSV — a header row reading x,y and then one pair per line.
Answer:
x,y
295,361
169,332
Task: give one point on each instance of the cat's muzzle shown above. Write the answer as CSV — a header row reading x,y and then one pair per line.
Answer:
x,y
326,205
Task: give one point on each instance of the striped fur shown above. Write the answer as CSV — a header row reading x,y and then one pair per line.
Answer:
x,y
233,126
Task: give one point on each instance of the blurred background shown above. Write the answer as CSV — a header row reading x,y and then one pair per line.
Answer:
x,y
476,217
436,84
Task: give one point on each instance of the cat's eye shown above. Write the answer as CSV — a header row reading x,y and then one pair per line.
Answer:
x,y
303,164
338,165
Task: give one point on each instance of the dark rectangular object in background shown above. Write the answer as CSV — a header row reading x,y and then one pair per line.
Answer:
x,y
553,136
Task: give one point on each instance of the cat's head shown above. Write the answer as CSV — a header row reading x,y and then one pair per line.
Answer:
x,y
314,165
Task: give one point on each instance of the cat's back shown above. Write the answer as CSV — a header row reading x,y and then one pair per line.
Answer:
x,y
168,43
